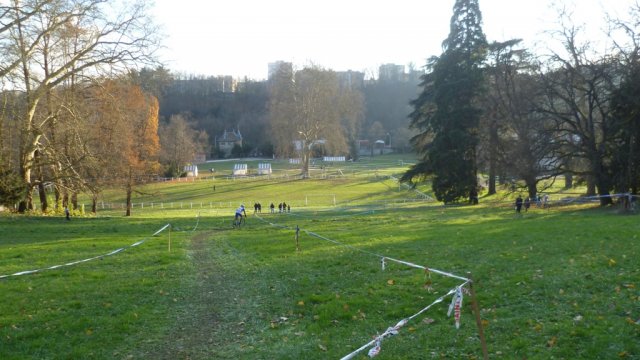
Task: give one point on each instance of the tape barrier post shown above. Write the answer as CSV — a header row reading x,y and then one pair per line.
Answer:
x,y
476,311
169,238
297,237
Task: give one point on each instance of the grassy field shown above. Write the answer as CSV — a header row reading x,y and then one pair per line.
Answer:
x,y
558,283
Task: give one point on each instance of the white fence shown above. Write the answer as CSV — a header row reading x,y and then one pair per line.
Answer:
x,y
334,159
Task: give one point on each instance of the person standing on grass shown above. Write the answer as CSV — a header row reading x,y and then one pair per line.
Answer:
x,y
527,204
66,212
518,204
273,208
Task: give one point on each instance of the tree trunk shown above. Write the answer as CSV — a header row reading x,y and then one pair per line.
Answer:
x,y
74,200
129,191
532,187
44,204
306,158
94,203
493,158
568,180
57,195
591,186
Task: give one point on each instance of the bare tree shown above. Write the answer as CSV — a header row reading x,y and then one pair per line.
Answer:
x,y
306,108
65,42
578,84
125,137
179,143
519,138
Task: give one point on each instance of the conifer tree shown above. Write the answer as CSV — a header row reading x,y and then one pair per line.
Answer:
x,y
447,112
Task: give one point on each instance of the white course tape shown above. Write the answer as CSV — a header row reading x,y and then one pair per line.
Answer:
x,y
394,330
161,230
440,272
84,260
456,303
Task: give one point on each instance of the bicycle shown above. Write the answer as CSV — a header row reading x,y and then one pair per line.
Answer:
x,y
238,223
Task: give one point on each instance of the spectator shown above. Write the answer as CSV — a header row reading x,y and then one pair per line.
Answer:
x,y
527,204
518,204
273,208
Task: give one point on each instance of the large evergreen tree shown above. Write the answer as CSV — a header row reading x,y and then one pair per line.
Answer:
x,y
447,112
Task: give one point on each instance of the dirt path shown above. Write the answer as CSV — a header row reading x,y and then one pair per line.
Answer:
x,y
197,320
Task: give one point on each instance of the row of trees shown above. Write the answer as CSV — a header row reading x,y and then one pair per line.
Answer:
x,y
73,115
206,103
494,108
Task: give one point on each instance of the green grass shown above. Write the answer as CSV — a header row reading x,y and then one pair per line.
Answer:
x,y
551,284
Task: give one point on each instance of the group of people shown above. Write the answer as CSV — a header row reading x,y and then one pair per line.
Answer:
x,y
282,208
540,201
257,208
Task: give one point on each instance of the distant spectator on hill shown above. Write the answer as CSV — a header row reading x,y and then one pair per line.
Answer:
x,y
518,204
273,208
527,204
66,213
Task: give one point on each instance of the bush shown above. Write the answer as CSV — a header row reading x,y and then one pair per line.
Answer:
x,y
12,188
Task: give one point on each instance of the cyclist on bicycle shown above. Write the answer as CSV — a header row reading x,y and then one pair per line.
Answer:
x,y
239,212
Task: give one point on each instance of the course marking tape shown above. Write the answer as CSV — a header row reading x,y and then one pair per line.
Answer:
x,y
440,272
394,330
84,260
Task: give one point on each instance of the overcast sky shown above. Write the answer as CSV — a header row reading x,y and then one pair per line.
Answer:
x,y
240,37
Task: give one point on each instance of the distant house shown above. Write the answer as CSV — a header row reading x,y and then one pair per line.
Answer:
x,y
199,158
227,141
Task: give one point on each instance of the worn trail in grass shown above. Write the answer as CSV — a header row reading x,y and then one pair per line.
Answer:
x,y
559,283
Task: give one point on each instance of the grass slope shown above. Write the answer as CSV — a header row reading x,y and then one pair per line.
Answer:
x,y
558,283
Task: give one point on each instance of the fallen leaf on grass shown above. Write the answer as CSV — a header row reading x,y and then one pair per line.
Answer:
x,y
552,342
300,303
391,282
322,347
428,321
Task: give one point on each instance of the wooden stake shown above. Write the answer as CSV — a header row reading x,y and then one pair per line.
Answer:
x,y
476,310
169,238
297,236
